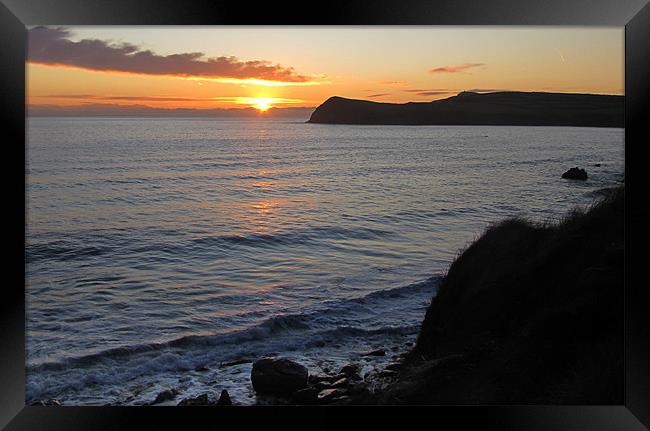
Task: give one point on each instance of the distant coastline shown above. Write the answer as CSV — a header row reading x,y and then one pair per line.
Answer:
x,y
468,108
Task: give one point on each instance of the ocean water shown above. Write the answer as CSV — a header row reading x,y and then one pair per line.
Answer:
x,y
158,250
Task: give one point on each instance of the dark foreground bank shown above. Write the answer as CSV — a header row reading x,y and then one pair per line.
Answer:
x,y
526,314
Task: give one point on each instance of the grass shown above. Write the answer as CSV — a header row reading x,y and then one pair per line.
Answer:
x,y
535,310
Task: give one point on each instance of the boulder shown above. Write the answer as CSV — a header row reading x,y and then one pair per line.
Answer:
x,y
165,395
323,385
315,379
306,396
278,376
350,370
329,394
201,400
575,174
224,399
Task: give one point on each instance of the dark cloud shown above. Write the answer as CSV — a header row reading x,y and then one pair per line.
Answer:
x,y
485,90
442,90
439,91
379,95
52,46
431,93
456,68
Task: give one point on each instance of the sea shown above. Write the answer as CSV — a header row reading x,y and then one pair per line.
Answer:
x,y
170,253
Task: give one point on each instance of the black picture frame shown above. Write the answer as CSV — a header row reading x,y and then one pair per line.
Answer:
x,y
15,15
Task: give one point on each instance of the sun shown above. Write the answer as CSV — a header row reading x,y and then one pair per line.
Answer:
x,y
262,104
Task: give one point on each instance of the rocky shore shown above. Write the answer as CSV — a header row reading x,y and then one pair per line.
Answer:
x,y
280,381
528,313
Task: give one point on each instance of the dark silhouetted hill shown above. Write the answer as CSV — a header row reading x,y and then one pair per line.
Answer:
x,y
526,314
467,108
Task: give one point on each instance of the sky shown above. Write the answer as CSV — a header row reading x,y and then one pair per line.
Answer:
x,y
261,67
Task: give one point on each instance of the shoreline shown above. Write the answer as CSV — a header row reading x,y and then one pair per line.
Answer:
x,y
326,349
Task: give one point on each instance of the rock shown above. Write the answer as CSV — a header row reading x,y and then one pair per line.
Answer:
x,y
378,352
323,385
201,400
165,395
337,377
396,366
306,396
598,165
387,373
343,399
235,362
314,379
278,376
575,174
340,383
201,368
224,399
357,389
46,403
328,394
350,370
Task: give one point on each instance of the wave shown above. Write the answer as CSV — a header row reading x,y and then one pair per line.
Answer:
x,y
331,320
64,250
61,251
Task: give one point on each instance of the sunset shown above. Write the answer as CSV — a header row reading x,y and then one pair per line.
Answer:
x,y
228,67
324,216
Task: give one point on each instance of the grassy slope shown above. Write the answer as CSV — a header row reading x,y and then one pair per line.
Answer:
x,y
526,314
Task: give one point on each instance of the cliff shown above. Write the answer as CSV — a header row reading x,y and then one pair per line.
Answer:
x,y
502,108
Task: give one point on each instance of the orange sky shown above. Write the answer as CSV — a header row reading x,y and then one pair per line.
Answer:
x,y
227,67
